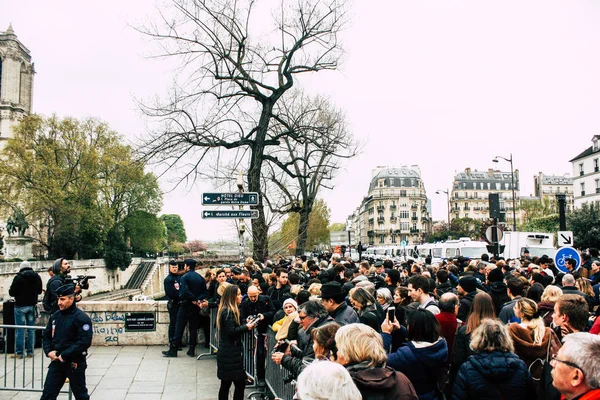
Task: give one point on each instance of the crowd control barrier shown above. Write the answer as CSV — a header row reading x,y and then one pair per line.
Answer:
x,y
278,379
25,374
249,350
213,341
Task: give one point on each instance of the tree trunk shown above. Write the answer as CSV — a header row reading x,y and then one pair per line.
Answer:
x,y
260,229
302,231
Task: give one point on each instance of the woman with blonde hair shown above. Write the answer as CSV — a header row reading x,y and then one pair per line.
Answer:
x,y
360,350
315,289
230,359
585,287
546,307
493,371
534,343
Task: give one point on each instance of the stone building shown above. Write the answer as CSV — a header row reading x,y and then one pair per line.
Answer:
x,y
586,174
395,209
469,197
16,82
548,186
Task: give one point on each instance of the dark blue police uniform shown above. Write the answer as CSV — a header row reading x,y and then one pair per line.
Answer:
x,y
172,284
69,333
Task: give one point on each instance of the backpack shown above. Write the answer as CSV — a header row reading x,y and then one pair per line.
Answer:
x,y
48,302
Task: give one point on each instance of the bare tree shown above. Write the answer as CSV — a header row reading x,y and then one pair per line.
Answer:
x,y
308,160
235,68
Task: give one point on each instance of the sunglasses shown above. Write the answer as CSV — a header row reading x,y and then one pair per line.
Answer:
x,y
302,318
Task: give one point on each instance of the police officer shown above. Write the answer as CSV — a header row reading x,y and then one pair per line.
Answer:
x,y
192,293
61,270
172,284
66,339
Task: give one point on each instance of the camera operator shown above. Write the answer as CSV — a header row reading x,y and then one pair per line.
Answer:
x,y
261,307
61,270
311,314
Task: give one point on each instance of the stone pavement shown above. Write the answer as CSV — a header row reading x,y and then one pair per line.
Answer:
x,y
130,373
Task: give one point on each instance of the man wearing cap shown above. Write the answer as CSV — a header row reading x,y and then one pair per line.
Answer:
x,y
172,283
192,294
467,290
66,339
61,270
25,288
333,299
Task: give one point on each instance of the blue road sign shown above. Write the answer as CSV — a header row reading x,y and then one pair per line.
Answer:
x,y
403,243
230,199
564,253
252,214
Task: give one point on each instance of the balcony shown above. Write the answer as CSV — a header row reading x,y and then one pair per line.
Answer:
x,y
381,220
414,218
380,208
393,220
393,207
370,233
414,206
371,221
414,231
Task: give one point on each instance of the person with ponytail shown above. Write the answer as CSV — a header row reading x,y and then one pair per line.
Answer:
x,y
534,342
230,360
324,341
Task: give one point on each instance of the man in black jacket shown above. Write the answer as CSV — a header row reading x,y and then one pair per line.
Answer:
x,y
467,290
61,270
25,288
278,293
258,305
66,339
192,290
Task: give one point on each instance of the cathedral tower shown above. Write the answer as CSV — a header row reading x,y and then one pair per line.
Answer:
x,y
16,82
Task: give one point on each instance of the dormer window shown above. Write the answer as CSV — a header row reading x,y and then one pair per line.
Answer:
x,y
595,144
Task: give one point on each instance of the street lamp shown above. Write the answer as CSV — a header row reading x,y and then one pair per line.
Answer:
x,y
512,180
447,202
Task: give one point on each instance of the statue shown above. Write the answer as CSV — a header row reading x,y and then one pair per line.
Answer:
x,y
17,223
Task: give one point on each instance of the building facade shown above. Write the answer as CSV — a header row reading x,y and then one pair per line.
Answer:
x,y
396,208
16,83
548,186
586,174
469,197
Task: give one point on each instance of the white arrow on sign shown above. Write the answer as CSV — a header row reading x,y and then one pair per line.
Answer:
x,y
565,239
206,198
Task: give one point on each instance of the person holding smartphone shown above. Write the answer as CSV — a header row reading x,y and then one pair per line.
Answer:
x,y
230,359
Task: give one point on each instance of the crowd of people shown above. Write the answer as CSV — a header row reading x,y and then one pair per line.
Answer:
x,y
459,329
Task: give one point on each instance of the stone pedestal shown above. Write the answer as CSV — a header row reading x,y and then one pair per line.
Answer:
x,y
18,247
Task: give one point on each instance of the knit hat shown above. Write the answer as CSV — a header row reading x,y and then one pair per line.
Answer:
x,y
468,283
24,264
56,266
292,302
495,275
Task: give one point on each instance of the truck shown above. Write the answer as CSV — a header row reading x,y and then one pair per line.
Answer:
x,y
538,244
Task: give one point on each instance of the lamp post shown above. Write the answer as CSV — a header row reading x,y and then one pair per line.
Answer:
x,y
512,181
447,192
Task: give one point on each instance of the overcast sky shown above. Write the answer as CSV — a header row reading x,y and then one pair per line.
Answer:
x,y
441,84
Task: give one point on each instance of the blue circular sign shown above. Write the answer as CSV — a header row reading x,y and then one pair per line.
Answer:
x,y
564,253
403,243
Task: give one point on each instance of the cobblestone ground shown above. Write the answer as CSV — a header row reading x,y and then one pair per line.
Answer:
x,y
124,373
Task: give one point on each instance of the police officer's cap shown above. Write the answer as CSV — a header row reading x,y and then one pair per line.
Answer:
x,y
190,261
66,290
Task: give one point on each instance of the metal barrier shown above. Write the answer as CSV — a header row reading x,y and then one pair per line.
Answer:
x,y
249,341
27,373
278,379
213,341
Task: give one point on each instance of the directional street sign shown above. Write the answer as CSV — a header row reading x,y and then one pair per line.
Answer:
x,y
564,253
565,238
230,199
252,214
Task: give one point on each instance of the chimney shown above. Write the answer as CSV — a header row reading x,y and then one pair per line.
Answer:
x,y
491,172
468,171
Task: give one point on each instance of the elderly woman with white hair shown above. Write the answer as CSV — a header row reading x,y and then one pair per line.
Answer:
x,y
326,380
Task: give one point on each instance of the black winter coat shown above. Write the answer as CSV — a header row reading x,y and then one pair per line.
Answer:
x,y
230,359
25,287
494,375
69,333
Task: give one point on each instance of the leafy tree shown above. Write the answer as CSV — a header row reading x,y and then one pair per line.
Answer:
x,y
531,209
176,248
77,181
146,232
337,227
175,228
459,227
548,223
116,254
585,224
317,230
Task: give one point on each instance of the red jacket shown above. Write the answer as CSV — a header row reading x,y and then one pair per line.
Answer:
x,y
595,329
449,325
591,395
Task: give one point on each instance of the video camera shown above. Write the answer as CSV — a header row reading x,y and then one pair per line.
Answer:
x,y
81,280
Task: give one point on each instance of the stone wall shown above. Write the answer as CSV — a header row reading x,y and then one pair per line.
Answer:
x,y
108,321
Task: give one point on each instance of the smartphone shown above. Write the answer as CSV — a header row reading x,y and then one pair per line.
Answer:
x,y
391,313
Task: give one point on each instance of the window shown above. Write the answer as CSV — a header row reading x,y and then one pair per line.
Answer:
x,y
597,185
380,183
404,226
381,239
404,214
393,238
581,169
583,188
596,167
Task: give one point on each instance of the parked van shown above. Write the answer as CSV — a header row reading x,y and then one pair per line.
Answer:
x,y
538,244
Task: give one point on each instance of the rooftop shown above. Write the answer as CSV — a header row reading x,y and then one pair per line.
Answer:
x,y
557,180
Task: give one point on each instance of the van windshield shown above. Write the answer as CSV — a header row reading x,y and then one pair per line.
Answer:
x,y
539,251
473,252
